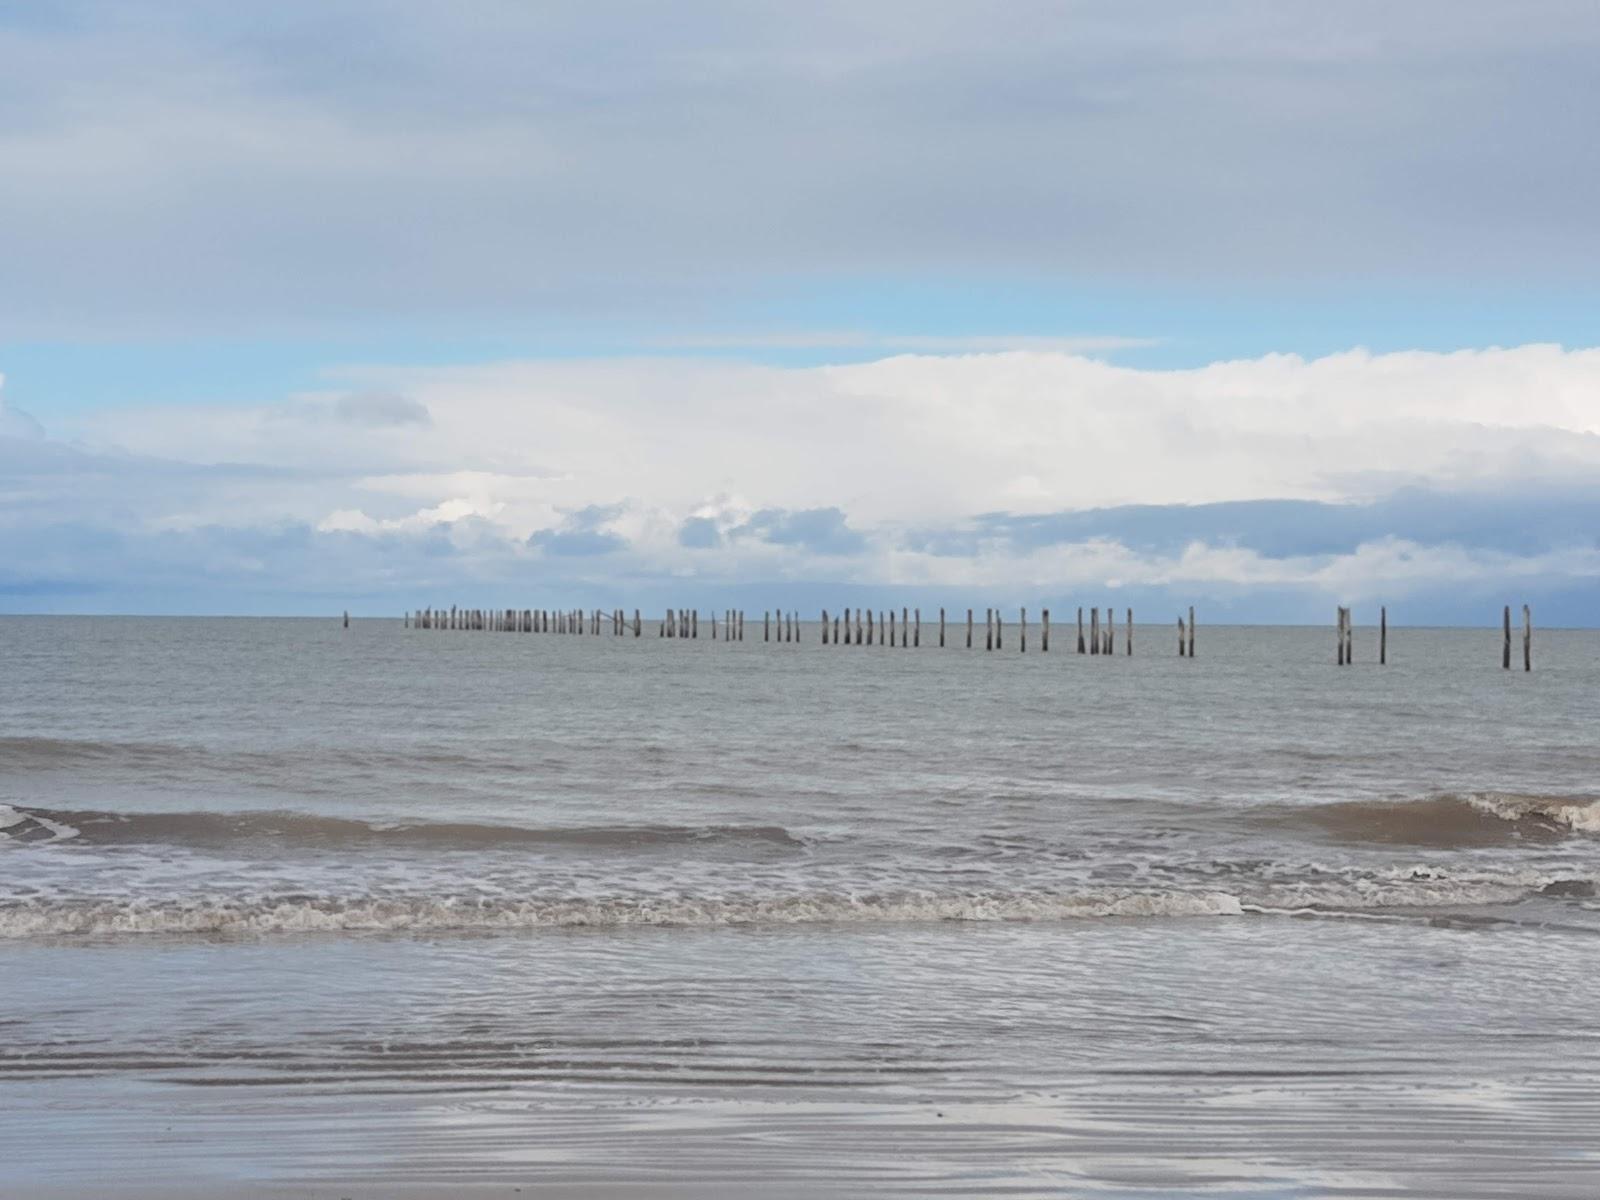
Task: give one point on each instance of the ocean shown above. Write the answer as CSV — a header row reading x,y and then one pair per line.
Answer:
x,y
288,909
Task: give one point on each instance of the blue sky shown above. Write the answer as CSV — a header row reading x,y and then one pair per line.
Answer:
x,y
374,304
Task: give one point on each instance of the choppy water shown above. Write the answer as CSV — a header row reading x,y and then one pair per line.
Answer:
x,y
475,909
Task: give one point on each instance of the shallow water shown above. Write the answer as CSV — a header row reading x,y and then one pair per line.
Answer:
x,y
312,908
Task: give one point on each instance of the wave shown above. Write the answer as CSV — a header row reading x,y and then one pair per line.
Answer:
x,y
301,914
306,831
1445,821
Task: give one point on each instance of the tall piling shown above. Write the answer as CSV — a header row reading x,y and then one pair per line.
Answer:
x,y
1081,648
1383,636
969,629
1505,652
1527,638
941,629
1180,637
1191,631
1022,631
1094,631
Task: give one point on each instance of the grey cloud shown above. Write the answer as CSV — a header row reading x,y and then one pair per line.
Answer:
x,y
581,534
819,530
294,162
380,410
1526,520
699,533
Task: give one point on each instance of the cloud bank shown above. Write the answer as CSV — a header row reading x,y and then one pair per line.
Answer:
x,y
1269,488
178,164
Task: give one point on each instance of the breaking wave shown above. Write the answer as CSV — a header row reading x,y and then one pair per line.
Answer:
x,y
1445,821
306,831
310,915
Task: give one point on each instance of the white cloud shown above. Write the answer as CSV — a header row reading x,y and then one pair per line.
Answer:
x,y
875,475
908,439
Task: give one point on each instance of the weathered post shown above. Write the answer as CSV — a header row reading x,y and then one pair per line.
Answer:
x,y
872,630
1111,629
347,618
1349,636
836,631
1527,639
637,627
694,623
1022,631
869,626
1094,631
1044,632
1338,634
1180,637
1191,631
1080,629
905,627
969,629
891,627
1128,641
766,626
1505,653
824,627
1383,636
916,633
941,629
999,630
988,631
406,620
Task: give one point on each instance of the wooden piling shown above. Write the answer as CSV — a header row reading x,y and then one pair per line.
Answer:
x,y
999,630
1128,640
988,629
824,627
1338,635
871,630
1111,630
1191,631
1094,631
1349,636
1527,639
1383,636
905,628
916,632
1044,632
1505,652
1080,629
969,629
836,631
1022,631
891,628
941,629
1180,637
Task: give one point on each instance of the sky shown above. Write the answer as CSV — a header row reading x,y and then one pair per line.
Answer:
x,y
1264,306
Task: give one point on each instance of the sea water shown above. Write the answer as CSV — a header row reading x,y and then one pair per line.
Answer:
x,y
289,907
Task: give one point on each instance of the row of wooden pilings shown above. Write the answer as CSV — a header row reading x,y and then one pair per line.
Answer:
x,y
854,626
860,627
1344,637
